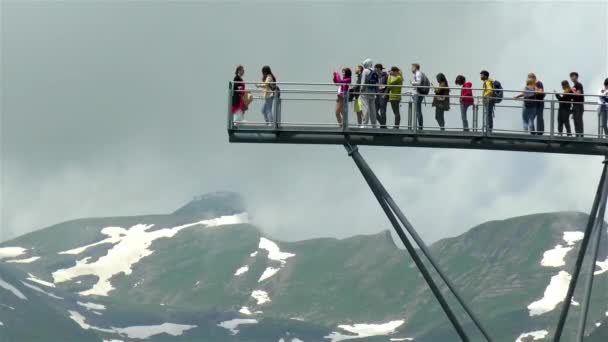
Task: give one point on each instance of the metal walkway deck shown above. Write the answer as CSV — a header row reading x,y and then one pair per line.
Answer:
x,y
312,123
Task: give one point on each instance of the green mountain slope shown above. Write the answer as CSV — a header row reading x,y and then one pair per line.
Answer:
x,y
204,266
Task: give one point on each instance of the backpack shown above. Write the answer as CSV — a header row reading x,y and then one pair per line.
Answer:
x,y
371,78
498,93
424,82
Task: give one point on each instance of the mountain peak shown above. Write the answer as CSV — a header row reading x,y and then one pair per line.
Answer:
x,y
213,204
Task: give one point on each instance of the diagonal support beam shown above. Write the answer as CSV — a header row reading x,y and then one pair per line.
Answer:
x,y
595,244
427,253
373,183
600,196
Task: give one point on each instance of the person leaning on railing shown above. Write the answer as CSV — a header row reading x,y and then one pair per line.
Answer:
x,y
466,99
603,108
578,108
529,108
240,98
395,81
539,104
565,108
269,86
488,101
382,95
441,100
354,94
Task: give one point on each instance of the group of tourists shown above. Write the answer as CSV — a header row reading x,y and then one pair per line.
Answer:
x,y
372,89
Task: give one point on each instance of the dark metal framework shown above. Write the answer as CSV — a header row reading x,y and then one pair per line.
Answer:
x,y
477,138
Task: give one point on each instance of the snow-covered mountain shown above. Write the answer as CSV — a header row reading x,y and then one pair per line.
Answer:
x,y
205,273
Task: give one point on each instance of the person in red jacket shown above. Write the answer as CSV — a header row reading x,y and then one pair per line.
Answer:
x,y
466,99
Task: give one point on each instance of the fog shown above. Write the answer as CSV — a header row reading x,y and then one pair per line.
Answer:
x,y
114,109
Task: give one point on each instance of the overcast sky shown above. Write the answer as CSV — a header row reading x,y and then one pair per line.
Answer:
x,y
118,108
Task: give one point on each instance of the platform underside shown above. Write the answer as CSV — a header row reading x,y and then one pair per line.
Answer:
x,y
426,138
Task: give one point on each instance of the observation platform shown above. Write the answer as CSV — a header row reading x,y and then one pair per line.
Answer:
x,y
300,118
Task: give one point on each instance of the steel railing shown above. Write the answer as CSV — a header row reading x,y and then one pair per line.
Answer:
x,y
293,91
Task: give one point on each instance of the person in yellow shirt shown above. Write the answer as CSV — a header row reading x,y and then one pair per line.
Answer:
x,y
488,99
395,81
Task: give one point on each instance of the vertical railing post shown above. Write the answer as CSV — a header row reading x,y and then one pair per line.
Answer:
x,y
409,114
475,122
415,113
230,116
552,133
277,107
345,112
484,118
599,124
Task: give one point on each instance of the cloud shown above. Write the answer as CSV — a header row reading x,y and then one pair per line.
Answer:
x,y
126,114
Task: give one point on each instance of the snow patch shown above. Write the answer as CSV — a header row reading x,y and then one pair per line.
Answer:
x,y
571,238
603,265
12,289
92,306
253,254
363,330
260,296
401,339
11,252
7,306
1,324
233,324
23,261
269,272
34,279
136,332
274,253
146,331
241,270
536,335
555,257
245,311
37,289
131,245
554,294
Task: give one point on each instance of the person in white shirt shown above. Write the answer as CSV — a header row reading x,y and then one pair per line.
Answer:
x,y
603,108
368,98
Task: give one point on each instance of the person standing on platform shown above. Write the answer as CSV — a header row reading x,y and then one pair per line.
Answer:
x,y
368,91
395,81
540,104
382,96
342,100
565,108
488,100
269,86
354,94
466,99
421,86
603,109
441,100
239,103
529,106
578,107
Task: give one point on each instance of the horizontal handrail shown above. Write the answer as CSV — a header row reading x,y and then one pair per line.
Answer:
x,y
409,94
402,86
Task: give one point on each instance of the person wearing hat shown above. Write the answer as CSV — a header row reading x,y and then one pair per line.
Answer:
x,y
395,81
382,96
